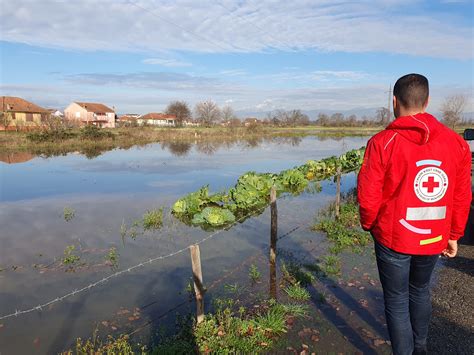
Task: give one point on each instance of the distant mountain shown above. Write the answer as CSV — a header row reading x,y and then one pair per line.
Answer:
x,y
313,114
369,112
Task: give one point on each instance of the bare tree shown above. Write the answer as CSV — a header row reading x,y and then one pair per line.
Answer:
x,y
181,110
452,109
383,116
292,117
227,114
207,112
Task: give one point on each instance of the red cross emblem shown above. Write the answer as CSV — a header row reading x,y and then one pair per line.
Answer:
x,y
431,184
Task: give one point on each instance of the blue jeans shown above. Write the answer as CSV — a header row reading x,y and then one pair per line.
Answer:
x,y
406,289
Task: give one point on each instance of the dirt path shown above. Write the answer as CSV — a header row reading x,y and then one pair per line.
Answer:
x,y
452,325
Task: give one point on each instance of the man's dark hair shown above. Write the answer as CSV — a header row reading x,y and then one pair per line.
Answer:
x,y
412,90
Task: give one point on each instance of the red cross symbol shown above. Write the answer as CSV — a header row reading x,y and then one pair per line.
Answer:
x,y
430,184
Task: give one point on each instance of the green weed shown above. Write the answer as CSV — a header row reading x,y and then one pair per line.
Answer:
x,y
153,219
297,292
293,274
120,345
112,257
254,273
70,259
68,213
344,232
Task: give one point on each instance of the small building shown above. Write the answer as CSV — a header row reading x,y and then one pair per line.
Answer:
x,y
129,119
91,113
157,119
19,114
55,113
251,121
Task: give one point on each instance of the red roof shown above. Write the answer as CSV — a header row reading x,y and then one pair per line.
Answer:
x,y
157,116
95,107
17,104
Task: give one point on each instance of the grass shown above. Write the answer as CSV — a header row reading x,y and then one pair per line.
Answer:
x,y
112,257
343,232
227,331
68,214
153,219
120,345
297,292
69,258
254,273
294,274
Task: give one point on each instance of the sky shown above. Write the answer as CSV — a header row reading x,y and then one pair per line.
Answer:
x,y
253,55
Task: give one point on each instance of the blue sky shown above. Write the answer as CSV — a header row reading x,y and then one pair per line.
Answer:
x,y
254,55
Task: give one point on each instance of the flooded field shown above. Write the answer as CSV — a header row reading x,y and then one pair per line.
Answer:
x,y
70,221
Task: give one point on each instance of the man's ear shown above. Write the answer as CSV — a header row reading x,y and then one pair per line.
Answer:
x,y
395,103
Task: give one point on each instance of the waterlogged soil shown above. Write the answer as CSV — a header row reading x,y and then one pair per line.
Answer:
x,y
49,204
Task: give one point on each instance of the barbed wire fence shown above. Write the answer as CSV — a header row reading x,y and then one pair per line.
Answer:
x,y
41,307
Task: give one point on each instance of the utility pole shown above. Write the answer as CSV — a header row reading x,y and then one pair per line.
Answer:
x,y
389,117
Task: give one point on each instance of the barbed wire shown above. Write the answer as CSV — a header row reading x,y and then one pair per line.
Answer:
x,y
127,270
210,287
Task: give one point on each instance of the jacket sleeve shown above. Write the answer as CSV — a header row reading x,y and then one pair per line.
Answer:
x,y
462,196
370,185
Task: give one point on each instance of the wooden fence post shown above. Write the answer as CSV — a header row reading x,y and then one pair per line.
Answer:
x,y
273,242
338,191
197,277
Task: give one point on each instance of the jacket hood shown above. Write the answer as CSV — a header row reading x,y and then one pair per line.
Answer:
x,y
420,128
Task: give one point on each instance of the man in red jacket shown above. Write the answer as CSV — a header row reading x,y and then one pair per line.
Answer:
x,y
414,191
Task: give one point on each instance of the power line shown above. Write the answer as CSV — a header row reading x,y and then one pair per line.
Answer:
x,y
153,13
232,13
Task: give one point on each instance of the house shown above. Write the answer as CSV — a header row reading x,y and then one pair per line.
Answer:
x,y
55,113
251,121
191,123
17,113
129,119
91,113
157,119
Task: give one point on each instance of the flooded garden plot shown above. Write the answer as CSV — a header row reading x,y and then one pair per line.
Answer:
x,y
70,221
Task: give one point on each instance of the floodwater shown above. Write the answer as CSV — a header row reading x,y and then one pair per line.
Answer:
x,y
104,196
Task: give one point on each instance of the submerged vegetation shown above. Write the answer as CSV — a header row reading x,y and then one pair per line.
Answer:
x,y
70,259
343,232
153,219
252,191
68,213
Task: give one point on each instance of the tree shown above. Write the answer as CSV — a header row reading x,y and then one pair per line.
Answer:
x,y
323,119
383,116
181,110
291,118
452,109
207,112
227,114
337,119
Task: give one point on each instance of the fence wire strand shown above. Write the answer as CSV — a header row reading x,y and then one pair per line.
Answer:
x,y
127,270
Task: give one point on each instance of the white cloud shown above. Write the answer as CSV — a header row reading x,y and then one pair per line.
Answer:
x,y
166,62
205,26
244,98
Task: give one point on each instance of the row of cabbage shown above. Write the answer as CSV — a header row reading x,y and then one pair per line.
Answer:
x,y
252,190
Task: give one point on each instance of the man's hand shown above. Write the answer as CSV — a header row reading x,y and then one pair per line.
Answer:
x,y
451,250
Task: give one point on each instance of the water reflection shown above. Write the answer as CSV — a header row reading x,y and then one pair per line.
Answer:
x,y
176,148
16,157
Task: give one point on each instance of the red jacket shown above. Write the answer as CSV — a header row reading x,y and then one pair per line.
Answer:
x,y
414,186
